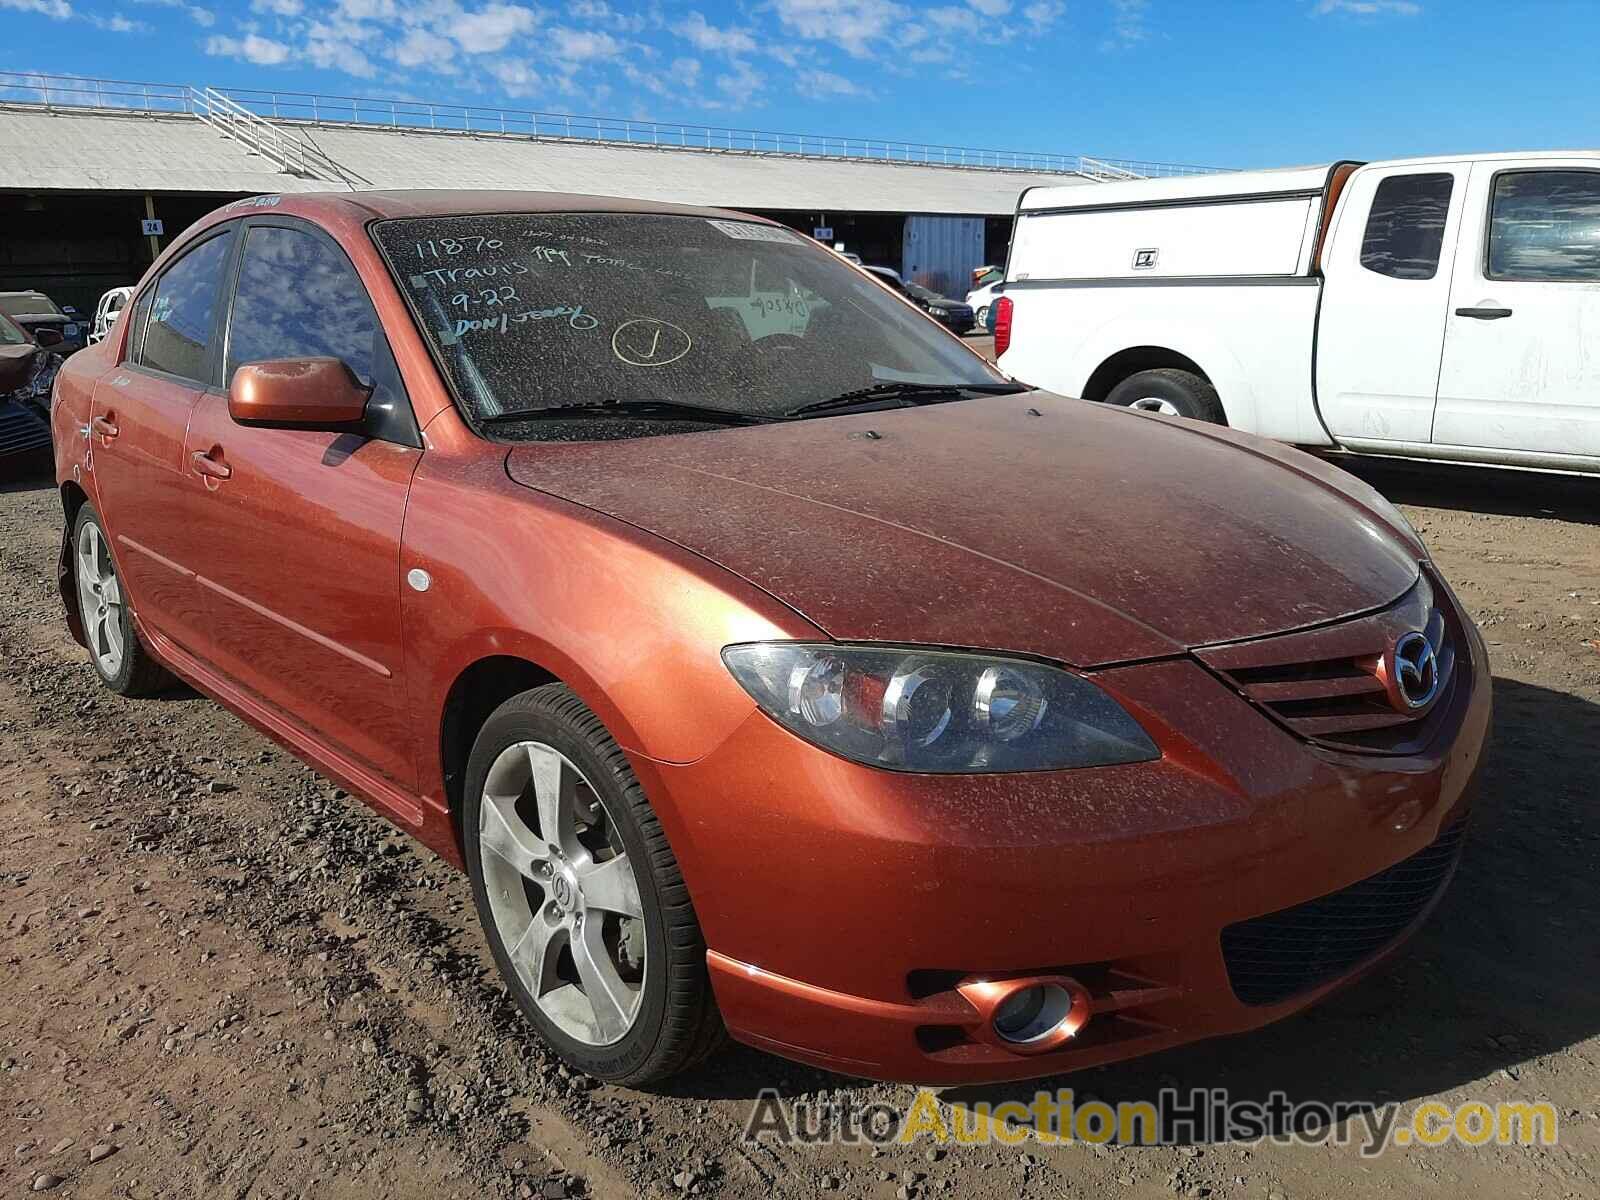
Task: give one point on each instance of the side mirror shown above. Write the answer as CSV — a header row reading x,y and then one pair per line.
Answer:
x,y
48,337
299,393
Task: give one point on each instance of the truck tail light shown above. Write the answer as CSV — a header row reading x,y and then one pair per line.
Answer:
x,y
1002,325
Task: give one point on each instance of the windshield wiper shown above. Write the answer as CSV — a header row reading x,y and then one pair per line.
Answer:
x,y
907,392
650,410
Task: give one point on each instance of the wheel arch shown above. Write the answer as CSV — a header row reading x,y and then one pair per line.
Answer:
x,y
480,688
73,498
1125,363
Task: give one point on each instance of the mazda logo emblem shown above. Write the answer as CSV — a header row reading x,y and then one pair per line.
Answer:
x,y
1416,671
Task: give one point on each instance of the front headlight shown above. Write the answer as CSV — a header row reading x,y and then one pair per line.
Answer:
x,y
937,711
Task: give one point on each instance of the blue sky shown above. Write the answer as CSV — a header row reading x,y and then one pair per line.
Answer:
x,y
1252,83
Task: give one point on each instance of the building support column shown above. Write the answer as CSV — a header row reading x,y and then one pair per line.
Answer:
x,y
150,212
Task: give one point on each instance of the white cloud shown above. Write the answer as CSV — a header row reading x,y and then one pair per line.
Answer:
x,y
820,85
1043,14
742,84
1127,25
422,47
725,57
252,48
598,12
1369,8
56,10
686,72
490,28
367,10
116,24
203,17
516,76
852,25
704,36
335,48
952,19
679,81
582,45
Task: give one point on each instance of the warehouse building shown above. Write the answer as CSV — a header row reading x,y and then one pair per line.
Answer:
x,y
97,175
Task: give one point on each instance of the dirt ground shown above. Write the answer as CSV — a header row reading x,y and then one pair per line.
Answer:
x,y
223,977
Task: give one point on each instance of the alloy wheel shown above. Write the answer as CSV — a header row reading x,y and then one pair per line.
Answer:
x,y
100,600
1156,404
563,893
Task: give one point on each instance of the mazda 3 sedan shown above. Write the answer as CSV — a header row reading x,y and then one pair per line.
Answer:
x,y
771,664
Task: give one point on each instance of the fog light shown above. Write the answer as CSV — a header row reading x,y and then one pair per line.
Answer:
x,y
1031,1013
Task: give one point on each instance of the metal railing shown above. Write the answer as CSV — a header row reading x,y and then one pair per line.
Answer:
x,y
324,110
287,148
74,91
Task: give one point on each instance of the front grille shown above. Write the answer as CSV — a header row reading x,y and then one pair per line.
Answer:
x,y
1282,954
1326,684
21,432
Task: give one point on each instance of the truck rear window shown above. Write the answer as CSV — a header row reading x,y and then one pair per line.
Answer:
x,y
1405,230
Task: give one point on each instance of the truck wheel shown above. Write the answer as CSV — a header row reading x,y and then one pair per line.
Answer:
x,y
585,910
1171,391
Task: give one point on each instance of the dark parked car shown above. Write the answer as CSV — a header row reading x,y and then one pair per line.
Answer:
x,y
17,353
24,436
952,314
42,319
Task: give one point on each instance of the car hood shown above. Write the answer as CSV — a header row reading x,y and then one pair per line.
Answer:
x,y
1024,523
15,362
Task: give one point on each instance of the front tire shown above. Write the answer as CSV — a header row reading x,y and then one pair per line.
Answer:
x,y
1170,391
118,656
581,899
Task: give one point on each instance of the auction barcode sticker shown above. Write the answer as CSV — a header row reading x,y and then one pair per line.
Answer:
x,y
749,231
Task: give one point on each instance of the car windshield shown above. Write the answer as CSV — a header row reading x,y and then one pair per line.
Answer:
x,y
922,293
10,335
531,312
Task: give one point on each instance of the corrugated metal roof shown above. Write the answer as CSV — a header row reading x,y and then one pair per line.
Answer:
x,y
84,152
100,151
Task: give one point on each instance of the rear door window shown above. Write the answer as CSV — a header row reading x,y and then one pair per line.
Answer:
x,y
1544,226
182,321
1405,229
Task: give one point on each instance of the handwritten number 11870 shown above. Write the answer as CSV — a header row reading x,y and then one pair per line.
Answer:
x,y
450,247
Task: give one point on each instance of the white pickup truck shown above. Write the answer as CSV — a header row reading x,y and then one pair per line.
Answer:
x,y
1444,308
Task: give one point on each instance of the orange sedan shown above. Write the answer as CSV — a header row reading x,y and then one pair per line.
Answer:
x,y
770,662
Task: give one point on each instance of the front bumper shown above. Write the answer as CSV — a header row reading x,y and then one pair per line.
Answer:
x,y
845,906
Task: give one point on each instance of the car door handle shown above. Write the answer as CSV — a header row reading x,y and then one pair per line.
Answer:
x,y
104,426
1483,314
204,464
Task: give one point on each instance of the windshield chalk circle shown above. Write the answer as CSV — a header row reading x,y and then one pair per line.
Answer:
x,y
648,342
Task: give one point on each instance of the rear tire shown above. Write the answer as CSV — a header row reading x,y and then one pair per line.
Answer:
x,y
599,1009
1171,391
118,656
